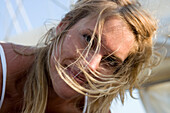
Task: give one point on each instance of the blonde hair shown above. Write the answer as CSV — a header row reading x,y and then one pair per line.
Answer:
x,y
101,89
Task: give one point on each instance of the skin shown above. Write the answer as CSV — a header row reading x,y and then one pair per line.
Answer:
x,y
116,38
17,66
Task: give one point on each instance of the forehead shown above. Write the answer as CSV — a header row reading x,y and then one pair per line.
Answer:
x,y
116,37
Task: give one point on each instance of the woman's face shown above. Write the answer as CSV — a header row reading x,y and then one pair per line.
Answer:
x,y
116,38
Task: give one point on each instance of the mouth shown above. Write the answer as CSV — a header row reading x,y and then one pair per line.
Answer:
x,y
77,75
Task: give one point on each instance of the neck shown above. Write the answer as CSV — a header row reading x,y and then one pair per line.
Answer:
x,y
62,105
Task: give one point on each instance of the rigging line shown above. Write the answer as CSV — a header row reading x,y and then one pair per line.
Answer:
x,y
59,4
24,14
13,16
71,3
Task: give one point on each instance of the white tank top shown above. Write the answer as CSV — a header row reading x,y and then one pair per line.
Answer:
x,y
4,74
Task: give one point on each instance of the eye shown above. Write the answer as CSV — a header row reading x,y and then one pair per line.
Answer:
x,y
111,61
87,37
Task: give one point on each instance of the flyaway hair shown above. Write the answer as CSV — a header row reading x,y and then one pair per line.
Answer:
x,y
101,88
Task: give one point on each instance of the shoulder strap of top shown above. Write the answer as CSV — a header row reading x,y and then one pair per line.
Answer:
x,y
4,72
85,104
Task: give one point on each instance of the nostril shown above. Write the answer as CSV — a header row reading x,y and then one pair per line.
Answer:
x,y
64,65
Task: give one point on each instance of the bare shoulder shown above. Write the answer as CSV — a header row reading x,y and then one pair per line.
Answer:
x,y
18,59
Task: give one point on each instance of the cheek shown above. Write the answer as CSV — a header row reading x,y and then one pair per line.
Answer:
x,y
68,52
60,87
72,42
70,49
67,47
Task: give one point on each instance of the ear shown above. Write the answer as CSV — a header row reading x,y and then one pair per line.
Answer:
x,y
61,26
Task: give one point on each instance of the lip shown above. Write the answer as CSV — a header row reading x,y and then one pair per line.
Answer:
x,y
79,77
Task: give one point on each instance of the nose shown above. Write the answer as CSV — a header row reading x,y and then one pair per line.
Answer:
x,y
94,61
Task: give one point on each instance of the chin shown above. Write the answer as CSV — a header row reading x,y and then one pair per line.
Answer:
x,y
64,91
68,95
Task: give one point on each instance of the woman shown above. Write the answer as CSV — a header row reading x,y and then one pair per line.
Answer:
x,y
97,51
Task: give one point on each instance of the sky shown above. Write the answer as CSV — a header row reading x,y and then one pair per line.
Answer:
x,y
38,13
131,105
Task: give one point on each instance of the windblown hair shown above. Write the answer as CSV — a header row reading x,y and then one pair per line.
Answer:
x,y
101,89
